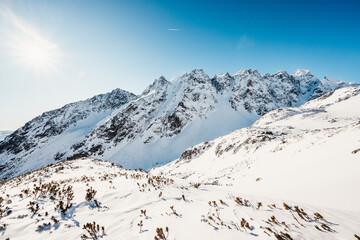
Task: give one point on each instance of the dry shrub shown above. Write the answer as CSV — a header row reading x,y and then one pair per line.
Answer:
x,y
160,235
93,230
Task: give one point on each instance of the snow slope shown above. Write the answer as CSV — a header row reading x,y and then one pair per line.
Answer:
x,y
127,199
291,175
41,141
309,154
156,127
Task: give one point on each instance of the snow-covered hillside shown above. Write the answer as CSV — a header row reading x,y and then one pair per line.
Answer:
x,y
173,115
69,199
291,175
309,154
41,141
157,126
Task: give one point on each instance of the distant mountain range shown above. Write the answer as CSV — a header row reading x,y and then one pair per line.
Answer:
x,y
157,126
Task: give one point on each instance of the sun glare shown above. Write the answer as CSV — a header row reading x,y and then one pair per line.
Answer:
x,y
28,46
38,55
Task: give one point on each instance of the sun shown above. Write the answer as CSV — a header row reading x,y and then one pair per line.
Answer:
x,y
38,55
26,45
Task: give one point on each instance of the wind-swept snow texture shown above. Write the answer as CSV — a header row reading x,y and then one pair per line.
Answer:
x,y
156,127
58,201
309,154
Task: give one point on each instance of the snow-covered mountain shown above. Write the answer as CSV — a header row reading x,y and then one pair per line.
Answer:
x,y
39,141
309,154
288,176
155,127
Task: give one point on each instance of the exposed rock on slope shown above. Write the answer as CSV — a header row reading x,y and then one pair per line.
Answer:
x,y
43,139
145,132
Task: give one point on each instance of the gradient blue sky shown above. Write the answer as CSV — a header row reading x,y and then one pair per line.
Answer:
x,y
127,44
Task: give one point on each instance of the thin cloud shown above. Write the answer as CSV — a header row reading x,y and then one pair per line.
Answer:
x,y
27,31
174,29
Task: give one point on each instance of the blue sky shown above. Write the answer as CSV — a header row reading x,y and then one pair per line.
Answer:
x,y
96,46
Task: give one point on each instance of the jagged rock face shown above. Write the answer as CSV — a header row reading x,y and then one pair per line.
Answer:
x,y
251,93
262,94
305,81
328,84
163,110
155,127
167,108
222,82
283,88
54,122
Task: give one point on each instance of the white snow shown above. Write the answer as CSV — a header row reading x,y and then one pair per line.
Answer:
x,y
233,187
122,194
307,156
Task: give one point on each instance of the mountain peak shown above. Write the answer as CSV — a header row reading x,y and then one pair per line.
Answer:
x,y
300,72
247,72
156,85
282,73
222,75
160,81
197,70
117,91
222,81
196,74
161,78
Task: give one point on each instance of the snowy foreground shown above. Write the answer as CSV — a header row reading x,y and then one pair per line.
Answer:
x,y
292,175
188,211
